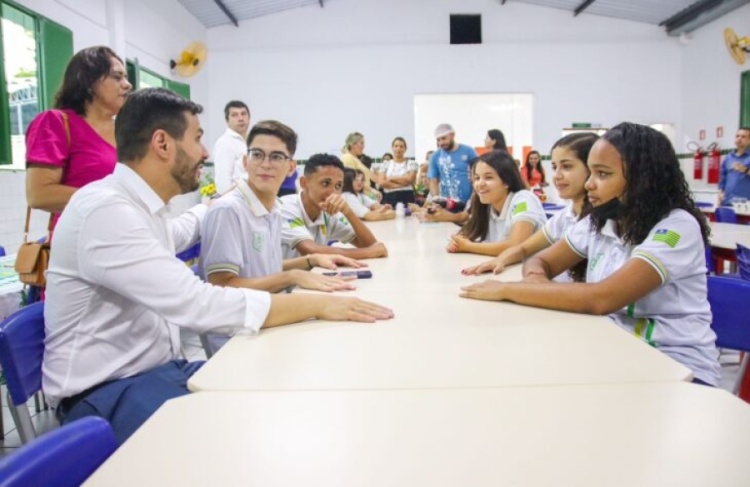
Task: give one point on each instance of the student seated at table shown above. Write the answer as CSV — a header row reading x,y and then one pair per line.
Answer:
x,y
117,295
644,242
241,244
569,156
362,205
503,213
319,214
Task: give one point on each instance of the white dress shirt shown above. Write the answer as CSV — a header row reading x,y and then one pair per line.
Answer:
x,y
227,158
116,293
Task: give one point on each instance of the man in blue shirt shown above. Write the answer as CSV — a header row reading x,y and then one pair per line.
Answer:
x,y
448,173
735,170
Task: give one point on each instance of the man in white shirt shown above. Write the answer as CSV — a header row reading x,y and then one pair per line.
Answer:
x,y
230,148
320,214
116,293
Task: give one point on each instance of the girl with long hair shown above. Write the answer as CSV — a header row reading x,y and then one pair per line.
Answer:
x,y
645,244
503,213
569,156
362,205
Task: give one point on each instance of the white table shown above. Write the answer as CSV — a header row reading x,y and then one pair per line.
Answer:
x,y
10,287
618,435
437,339
728,235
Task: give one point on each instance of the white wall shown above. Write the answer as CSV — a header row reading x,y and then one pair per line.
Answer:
x,y
710,82
356,65
152,31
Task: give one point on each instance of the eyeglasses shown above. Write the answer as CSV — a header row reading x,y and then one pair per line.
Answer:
x,y
258,155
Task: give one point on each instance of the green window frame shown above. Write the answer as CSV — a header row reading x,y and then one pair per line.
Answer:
x,y
140,76
54,47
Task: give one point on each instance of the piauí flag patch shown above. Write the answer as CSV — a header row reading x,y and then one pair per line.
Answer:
x,y
296,222
667,236
519,208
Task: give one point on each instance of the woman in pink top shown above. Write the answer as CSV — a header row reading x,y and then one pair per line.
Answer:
x,y
60,160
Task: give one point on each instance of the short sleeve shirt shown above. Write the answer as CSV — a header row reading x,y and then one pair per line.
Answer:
x,y
297,226
394,169
86,158
356,204
557,226
676,317
241,236
521,206
452,169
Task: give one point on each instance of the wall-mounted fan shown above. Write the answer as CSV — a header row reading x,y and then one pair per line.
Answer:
x,y
737,46
191,59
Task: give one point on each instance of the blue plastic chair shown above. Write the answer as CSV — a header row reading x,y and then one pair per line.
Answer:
x,y
65,457
703,204
731,322
710,264
190,253
2,251
21,352
725,214
743,261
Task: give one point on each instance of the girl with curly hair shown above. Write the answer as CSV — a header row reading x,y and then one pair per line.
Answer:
x,y
503,213
644,242
569,156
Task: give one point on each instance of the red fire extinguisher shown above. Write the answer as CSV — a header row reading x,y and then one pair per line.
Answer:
x,y
714,163
698,164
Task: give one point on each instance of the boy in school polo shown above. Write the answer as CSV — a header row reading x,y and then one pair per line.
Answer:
x,y
519,206
675,317
319,214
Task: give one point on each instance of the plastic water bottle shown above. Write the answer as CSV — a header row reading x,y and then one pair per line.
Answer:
x,y
400,210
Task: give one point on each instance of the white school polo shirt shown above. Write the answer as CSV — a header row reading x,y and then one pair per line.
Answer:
x,y
556,228
296,226
676,317
240,236
358,204
521,206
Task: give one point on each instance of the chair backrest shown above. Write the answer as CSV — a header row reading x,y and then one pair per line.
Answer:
x,y
190,253
64,457
731,322
710,264
21,351
743,261
724,214
2,251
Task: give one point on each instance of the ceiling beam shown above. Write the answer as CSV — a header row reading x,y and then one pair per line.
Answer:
x,y
689,14
582,7
227,12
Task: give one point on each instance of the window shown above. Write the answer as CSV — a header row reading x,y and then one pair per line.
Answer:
x,y
33,55
141,77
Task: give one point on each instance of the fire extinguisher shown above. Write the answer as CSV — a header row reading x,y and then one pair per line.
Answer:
x,y
714,163
698,164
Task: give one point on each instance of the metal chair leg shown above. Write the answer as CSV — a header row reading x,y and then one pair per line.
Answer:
x,y
206,345
22,419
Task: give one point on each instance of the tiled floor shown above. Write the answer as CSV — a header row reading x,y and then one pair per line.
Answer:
x,y
45,420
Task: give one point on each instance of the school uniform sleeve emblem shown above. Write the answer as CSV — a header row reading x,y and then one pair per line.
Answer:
x,y
519,208
667,236
296,222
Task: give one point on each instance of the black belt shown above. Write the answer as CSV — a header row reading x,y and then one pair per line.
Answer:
x,y
68,403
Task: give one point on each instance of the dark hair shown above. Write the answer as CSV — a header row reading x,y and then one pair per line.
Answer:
x,y
530,169
84,69
275,129
349,176
234,104
397,139
746,129
322,160
580,143
477,226
146,111
499,138
655,184
387,154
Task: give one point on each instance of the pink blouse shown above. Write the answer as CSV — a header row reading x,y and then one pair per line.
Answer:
x,y
88,157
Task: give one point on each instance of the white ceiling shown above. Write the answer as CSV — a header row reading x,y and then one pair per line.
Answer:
x,y
653,12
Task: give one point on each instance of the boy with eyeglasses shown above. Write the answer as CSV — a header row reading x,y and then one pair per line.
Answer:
x,y
241,243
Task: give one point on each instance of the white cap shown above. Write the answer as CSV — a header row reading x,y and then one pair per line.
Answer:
x,y
444,129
